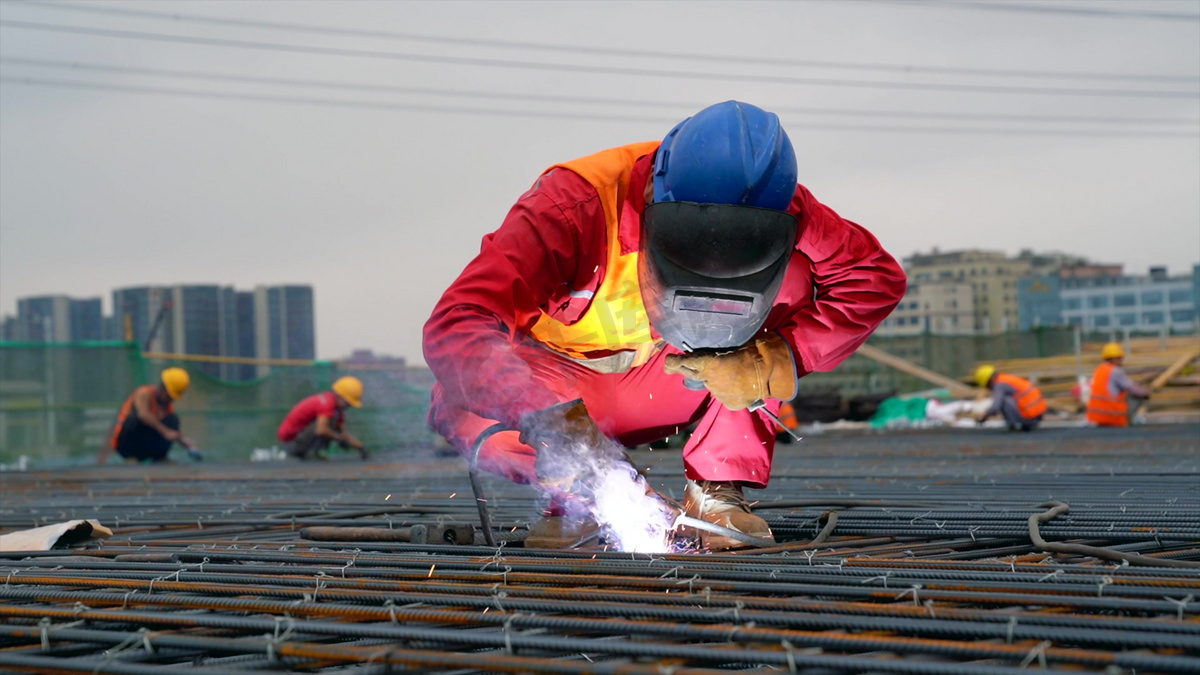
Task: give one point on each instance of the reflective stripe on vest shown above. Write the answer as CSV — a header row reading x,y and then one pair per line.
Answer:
x,y
1029,398
1104,409
127,408
616,319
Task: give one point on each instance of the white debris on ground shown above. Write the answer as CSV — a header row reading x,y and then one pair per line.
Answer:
x,y
46,537
22,464
271,454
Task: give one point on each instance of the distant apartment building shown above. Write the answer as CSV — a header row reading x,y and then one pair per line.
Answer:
x,y
991,275
57,318
1098,301
934,307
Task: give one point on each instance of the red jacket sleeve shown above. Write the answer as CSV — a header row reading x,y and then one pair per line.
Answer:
x,y
520,268
856,285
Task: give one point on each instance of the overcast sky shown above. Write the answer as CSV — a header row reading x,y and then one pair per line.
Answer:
x,y
378,195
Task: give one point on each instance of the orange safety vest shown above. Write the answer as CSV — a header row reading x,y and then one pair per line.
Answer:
x,y
787,415
1029,398
127,408
1104,409
616,319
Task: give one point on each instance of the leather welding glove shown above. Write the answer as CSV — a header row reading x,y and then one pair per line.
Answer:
x,y
760,370
570,447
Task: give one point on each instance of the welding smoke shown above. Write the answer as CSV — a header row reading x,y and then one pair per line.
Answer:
x,y
606,485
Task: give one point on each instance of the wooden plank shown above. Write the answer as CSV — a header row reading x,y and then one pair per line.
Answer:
x,y
906,366
1174,369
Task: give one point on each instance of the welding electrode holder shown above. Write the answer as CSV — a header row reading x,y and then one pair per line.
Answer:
x,y
565,437
697,385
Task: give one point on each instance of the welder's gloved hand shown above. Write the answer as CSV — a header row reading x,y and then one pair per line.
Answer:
x,y
762,369
569,444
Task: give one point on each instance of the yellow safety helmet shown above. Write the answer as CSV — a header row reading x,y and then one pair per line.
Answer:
x,y
349,388
1112,350
175,381
983,374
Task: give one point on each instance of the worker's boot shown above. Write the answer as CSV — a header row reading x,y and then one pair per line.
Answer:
x,y
723,504
559,532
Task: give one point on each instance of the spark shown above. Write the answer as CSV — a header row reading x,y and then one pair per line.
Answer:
x,y
453,494
431,568
387,498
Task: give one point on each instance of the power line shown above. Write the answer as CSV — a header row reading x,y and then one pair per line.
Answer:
x,y
579,100
1061,8
607,51
579,68
383,105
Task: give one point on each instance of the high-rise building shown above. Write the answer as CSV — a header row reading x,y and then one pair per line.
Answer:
x,y
284,323
87,320
136,311
204,321
195,319
58,318
245,333
44,319
8,328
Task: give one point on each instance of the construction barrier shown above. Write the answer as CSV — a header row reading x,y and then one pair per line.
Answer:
x,y
58,401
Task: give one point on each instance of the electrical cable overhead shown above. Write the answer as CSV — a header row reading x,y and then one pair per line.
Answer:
x,y
384,105
594,69
605,51
1061,8
684,106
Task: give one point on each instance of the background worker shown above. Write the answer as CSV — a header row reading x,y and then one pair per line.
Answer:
x,y
1015,398
1115,399
319,420
146,423
620,275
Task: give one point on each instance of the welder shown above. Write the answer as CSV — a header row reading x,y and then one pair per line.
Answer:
x,y
633,292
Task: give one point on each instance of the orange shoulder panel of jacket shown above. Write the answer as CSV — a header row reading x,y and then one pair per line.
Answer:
x,y
609,166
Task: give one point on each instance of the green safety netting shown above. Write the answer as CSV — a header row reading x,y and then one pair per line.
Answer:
x,y
58,401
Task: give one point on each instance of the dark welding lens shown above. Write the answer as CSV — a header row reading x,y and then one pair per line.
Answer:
x,y
719,241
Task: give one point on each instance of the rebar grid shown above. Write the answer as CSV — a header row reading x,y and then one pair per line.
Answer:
x,y
923,562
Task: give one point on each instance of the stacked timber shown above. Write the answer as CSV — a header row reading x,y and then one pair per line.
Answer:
x,y
1170,367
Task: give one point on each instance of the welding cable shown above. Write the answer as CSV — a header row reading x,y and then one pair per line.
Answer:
x,y
1059,508
485,520
688,521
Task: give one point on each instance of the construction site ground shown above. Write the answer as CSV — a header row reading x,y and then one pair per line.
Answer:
x,y
929,559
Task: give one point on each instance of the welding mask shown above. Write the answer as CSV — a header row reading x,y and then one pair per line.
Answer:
x,y
710,273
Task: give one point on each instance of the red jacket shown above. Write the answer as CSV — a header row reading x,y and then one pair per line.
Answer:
x,y
551,248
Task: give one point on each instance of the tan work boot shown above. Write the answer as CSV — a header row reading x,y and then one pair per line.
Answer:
x,y
723,504
559,532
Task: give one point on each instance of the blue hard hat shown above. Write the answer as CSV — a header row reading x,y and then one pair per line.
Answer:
x,y
728,153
